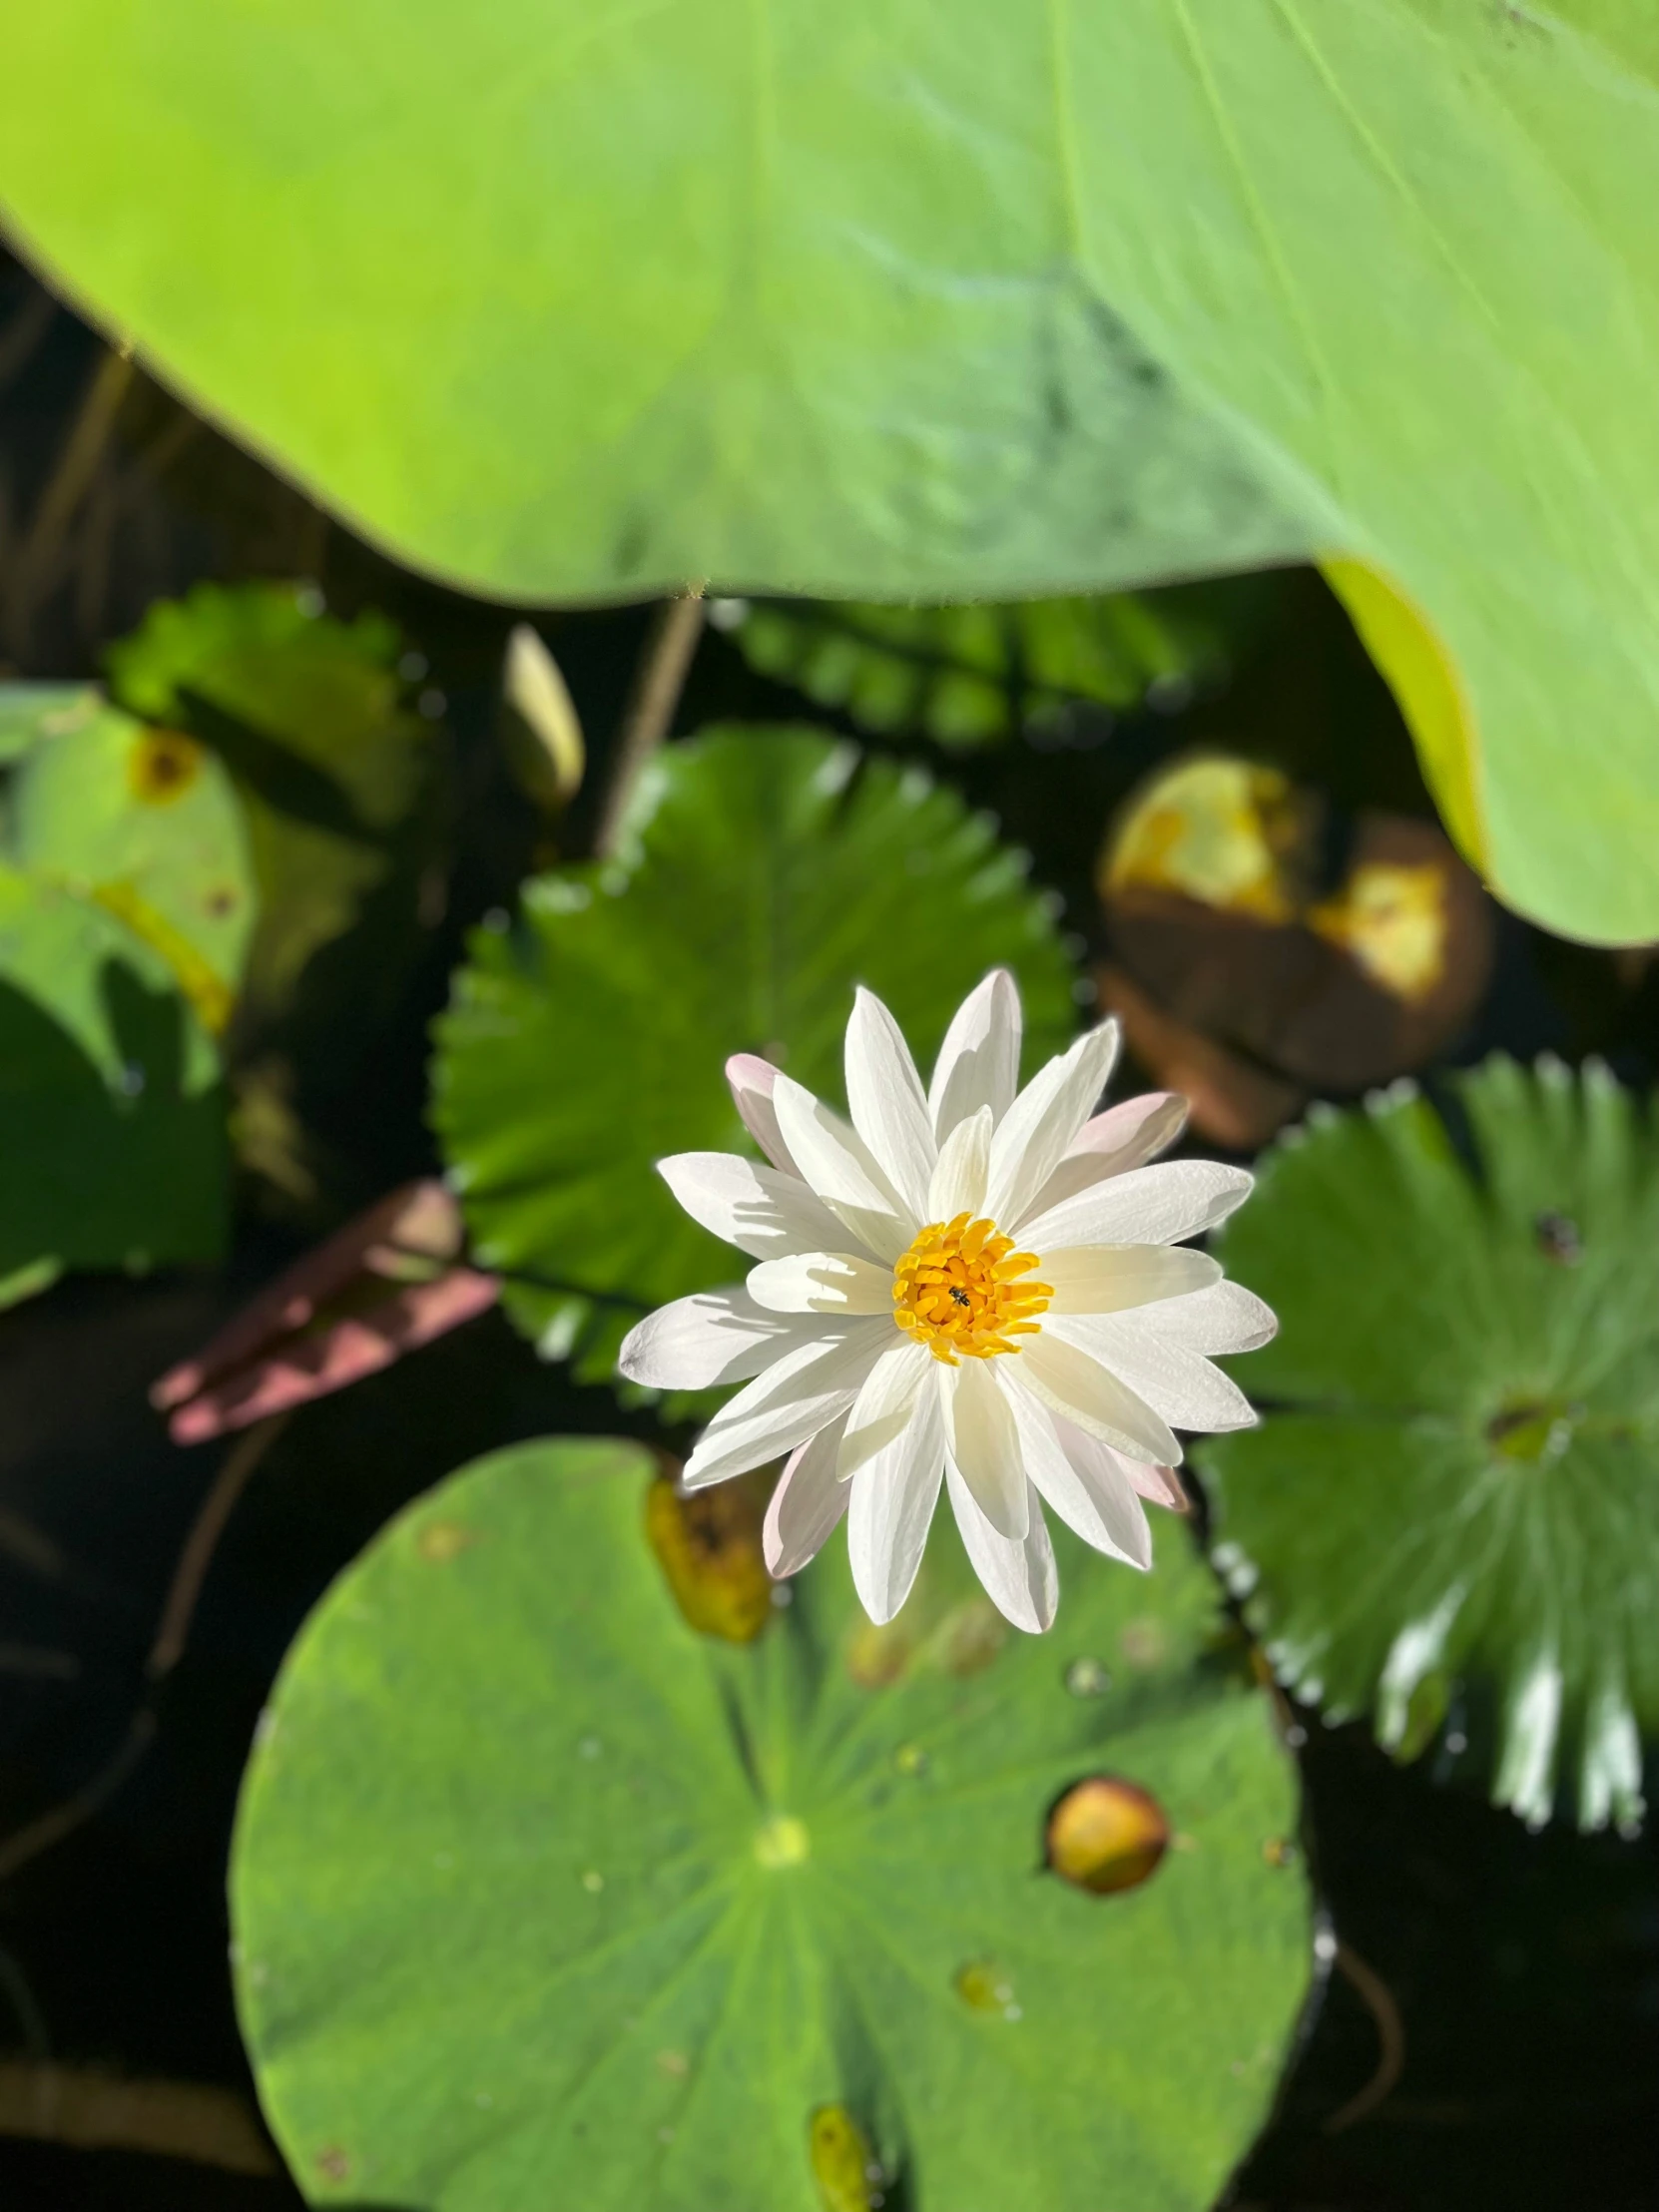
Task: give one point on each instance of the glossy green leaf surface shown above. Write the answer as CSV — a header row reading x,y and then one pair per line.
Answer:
x,y
1452,1520
766,873
539,1897
334,773
112,1147
968,676
874,302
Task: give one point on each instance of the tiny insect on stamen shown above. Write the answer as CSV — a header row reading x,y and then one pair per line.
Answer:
x,y
962,1288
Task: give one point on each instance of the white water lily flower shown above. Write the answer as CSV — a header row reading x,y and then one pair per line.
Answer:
x,y
971,1285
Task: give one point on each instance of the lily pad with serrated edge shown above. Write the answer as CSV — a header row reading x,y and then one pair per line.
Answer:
x,y
541,1898
768,871
971,676
1451,1519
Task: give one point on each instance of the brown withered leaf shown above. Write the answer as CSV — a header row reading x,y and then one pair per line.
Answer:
x,y
1220,911
708,1545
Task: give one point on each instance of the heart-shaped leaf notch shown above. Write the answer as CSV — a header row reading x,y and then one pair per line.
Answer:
x,y
540,1896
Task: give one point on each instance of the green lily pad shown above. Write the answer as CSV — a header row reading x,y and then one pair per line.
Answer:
x,y
969,676
112,1140
768,871
31,712
147,823
635,1917
1452,1520
337,776
881,302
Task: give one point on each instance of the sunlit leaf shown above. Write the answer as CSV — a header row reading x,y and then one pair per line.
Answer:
x,y
885,302
766,872
335,773
112,1145
145,823
1451,1522
633,1918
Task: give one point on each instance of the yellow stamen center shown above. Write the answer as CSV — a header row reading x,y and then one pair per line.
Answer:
x,y
959,1289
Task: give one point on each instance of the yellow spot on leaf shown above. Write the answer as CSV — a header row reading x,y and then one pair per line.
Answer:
x,y
440,1541
162,767
841,2160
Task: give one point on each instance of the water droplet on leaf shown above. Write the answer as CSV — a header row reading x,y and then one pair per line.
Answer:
x,y
984,1987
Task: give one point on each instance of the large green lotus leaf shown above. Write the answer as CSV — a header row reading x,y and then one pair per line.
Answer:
x,y
111,1143
148,824
1451,1519
540,1898
967,675
307,713
767,872
884,301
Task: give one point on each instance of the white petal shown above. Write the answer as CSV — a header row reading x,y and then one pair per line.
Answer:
x,y
1088,1484
1021,1578
1164,1203
822,1283
711,1337
1159,1485
983,1443
894,1496
1134,1131
1033,1136
788,1401
886,1403
806,1505
1104,1279
978,1062
1225,1318
958,1185
762,1212
752,1079
884,1097
1181,1386
838,1163
1122,1137
1075,1386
